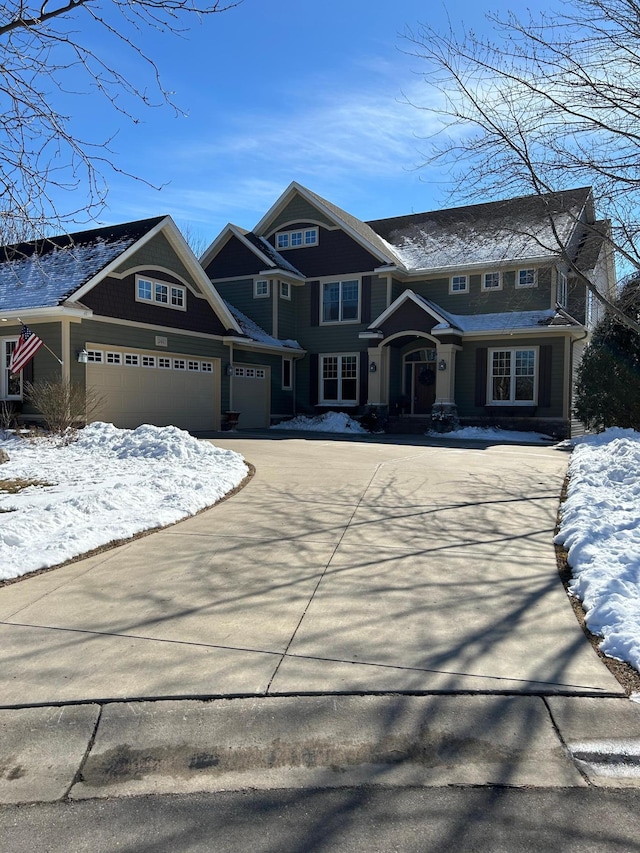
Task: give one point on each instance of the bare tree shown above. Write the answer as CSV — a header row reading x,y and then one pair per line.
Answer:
x,y
48,54
551,102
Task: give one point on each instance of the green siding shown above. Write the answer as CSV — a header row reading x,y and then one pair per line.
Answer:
x,y
45,365
158,252
378,296
240,295
298,210
466,373
287,315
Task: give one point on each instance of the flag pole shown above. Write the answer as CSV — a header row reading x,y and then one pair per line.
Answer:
x,y
44,345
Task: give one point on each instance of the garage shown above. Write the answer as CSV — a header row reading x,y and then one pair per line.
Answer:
x,y
141,386
251,396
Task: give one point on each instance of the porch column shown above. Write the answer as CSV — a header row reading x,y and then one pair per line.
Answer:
x,y
446,374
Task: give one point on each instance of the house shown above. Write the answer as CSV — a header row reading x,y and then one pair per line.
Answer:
x,y
127,310
474,314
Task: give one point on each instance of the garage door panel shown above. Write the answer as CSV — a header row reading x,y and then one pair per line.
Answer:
x,y
134,395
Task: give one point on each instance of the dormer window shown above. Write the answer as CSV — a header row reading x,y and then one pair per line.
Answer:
x,y
298,239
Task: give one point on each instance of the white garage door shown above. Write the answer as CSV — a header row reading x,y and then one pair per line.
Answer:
x,y
143,387
252,396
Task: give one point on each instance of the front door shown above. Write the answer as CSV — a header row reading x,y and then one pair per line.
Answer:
x,y
420,380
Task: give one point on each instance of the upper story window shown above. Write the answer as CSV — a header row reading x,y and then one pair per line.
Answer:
x,y
298,239
285,290
526,278
561,290
512,376
458,284
491,281
10,383
261,288
161,293
341,301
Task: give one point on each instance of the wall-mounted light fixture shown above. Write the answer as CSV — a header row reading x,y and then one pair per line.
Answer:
x,y
442,364
83,356
229,370
373,367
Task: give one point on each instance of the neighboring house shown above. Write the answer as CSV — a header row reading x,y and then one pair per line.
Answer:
x,y
472,313
128,311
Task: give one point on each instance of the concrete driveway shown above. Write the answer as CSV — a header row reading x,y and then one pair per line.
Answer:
x,y
343,566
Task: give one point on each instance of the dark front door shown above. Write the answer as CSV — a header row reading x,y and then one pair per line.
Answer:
x,y
420,380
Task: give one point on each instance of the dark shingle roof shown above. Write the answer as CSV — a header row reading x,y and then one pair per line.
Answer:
x,y
43,273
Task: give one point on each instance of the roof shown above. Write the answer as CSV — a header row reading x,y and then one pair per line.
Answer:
x,y
590,246
253,331
43,273
517,228
272,255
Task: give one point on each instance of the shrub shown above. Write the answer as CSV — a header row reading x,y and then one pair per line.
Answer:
x,y
63,405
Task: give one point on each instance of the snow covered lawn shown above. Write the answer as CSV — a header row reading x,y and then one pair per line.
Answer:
x,y
600,528
108,485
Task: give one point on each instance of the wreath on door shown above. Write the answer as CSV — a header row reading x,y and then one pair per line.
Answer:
x,y
427,376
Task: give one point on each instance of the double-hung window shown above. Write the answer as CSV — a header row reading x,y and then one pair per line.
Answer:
x,y
341,301
10,383
512,376
339,378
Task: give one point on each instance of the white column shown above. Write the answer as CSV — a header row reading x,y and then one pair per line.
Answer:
x,y
446,373
375,377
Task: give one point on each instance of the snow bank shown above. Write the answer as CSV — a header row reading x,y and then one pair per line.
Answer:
x,y
109,484
600,528
329,422
493,434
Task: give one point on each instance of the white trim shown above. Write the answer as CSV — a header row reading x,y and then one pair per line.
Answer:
x,y
340,400
153,293
289,386
520,270
407,294
341,322
288,294
4,368
512,376
492,289
288,234
258,281
461,277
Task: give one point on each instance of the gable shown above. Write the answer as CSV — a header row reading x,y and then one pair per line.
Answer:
x,y
158,252
408,316
233,260
297,210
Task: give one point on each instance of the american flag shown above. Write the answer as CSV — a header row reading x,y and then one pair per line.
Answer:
x,y
27,346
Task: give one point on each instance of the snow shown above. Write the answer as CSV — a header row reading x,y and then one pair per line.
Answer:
x,y
493,434
600,528
44,280
328,422
108,485
255,332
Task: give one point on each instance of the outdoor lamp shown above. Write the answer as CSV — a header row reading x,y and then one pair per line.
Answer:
x,y
373,367
442,364
83,356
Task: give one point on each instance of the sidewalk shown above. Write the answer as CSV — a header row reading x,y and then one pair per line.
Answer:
x,y
361,613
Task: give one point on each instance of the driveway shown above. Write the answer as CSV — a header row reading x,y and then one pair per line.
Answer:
x,y
343,566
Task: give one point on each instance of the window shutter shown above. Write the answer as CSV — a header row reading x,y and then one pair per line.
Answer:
x,y
315,304
481,376
314,362
544,377
27,371
364,377
365,309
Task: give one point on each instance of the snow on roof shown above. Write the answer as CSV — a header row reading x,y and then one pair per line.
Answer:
x,y
43,273
255,332
499,322
519,228
274,256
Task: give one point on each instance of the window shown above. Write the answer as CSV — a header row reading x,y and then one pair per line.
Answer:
x,y
512,376
94,356
114,358
491,281
285,290
561,290
300,238
207,367
164,362
261,288
340,301
131,360
339,379
10,384
179,364
526,278
168,295
287,374
193,365
458,284
148,361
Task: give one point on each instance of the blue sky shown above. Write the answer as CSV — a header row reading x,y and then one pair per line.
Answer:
x,y
275,91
